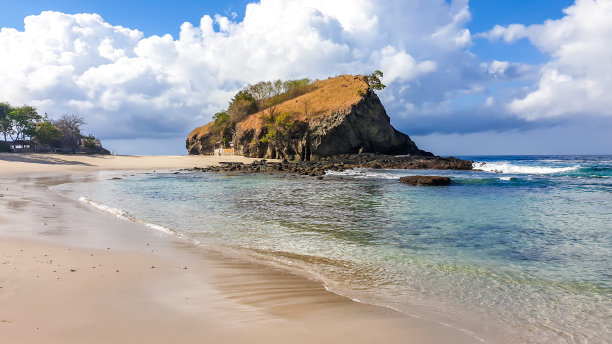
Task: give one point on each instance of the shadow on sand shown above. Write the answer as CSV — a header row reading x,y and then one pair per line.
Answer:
x,y
39,159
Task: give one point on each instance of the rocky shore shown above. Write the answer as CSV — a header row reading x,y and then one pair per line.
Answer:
x,y
342,162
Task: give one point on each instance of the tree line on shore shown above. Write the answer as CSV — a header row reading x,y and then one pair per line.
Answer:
x,y
24,126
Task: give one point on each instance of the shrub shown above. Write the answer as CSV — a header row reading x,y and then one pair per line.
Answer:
x,y
89,142
373,80
5,148
279,127
47,134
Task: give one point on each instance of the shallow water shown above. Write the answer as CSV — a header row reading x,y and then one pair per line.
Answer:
x,y
524,255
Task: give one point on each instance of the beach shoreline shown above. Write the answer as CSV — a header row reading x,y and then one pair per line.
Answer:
x,y
131,283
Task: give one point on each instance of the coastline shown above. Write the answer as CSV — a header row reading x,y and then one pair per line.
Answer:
x,y
129,283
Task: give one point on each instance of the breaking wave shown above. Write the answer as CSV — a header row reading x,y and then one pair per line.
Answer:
x,y
504,167
364,173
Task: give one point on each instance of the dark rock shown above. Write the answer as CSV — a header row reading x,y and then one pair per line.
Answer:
x,y
363,127
340,163
425,180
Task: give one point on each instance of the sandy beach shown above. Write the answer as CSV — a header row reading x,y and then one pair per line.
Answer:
x,y
72,274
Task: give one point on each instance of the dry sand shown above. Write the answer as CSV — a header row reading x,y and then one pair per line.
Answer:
x,y
72,274
37,163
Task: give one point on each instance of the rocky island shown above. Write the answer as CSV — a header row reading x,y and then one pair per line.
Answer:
x,y
336,123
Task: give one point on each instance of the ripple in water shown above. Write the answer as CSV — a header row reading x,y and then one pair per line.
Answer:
x,y
524,257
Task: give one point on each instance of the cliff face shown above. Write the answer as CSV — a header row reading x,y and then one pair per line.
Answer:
x,y
339,116
200,140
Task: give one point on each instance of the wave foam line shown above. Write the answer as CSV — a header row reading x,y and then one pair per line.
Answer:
x,y
362,173
122,214
518,169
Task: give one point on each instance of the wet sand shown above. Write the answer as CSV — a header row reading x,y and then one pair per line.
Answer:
x,y
72,274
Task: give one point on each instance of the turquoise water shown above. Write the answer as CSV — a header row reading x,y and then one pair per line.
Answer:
x,y
524,255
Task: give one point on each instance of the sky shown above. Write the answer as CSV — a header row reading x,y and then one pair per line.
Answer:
x,y
463,77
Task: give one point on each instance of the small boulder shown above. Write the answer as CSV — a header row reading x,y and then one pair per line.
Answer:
x,y
425,180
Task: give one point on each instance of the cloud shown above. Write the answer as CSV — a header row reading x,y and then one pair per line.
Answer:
x,y
575,82
401,66
130,86
509,34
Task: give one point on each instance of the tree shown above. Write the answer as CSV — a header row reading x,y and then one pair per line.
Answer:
x,y
241,106
24,120
244,95
271,93
69,126
6,123
279,127
47,134
374,82
260,90
89,142
223,128
222,120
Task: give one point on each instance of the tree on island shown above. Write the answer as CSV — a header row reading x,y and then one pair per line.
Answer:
x,y
69,125
374,82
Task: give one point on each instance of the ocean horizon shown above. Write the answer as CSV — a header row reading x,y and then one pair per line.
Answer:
x,y
518,249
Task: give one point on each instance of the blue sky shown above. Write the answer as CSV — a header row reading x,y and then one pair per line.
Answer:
x,y
150,17
487,13
464,77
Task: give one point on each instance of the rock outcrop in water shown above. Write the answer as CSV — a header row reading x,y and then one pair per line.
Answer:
x,y
337,116
425,180
341,163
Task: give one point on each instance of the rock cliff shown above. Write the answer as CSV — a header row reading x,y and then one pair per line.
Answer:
x,y
337,116
201,141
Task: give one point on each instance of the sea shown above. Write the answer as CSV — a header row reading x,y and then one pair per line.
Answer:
x,y
518,250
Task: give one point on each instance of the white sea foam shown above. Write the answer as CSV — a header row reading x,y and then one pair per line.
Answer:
x,y
362,173
504,167
114,211
157,227
122,214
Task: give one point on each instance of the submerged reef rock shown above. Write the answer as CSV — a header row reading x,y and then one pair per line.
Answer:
x,y
425,180
340,115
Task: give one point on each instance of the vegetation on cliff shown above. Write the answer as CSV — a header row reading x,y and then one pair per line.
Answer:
x,y
303,120
262,97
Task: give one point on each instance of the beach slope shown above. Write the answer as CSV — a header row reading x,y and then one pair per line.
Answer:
x,y
73,274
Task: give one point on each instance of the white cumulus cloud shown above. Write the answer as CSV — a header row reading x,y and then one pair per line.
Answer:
x,y
127,85
577,79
